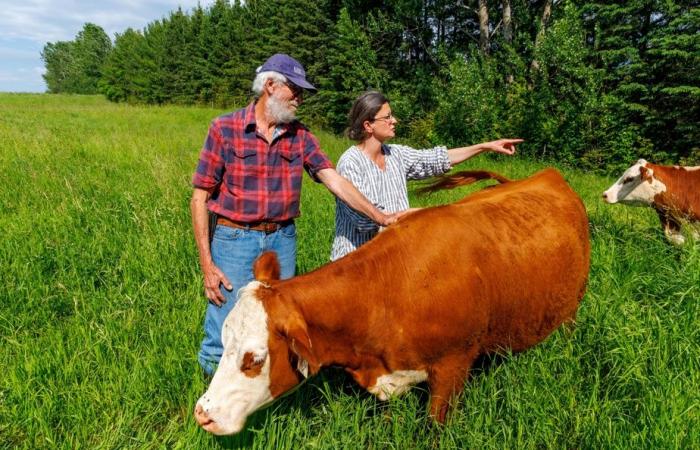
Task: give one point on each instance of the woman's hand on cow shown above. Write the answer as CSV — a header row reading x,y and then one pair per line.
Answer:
x,y
505,146
213,279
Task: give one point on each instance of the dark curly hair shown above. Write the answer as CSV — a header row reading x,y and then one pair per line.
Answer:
x,y
365,108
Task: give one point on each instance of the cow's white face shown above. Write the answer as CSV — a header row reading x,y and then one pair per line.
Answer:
x,y
637,186
241,383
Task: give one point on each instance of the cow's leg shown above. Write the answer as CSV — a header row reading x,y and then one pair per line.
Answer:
x,y
446,380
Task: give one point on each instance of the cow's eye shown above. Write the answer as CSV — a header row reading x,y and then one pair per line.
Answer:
x,y
628,180
252,363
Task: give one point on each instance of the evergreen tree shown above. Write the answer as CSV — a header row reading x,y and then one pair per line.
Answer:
x,y
352,69
175,58
123,75
648,50
225,55
673,99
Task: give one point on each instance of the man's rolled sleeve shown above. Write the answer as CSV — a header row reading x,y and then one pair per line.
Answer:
x,y
314,158
211,164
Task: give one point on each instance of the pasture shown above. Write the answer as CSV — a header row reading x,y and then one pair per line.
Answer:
x,y
101,308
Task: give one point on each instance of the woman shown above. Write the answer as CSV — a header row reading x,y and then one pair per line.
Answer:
x,y
380,170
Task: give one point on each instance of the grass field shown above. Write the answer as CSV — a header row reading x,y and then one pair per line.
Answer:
x,y
101,308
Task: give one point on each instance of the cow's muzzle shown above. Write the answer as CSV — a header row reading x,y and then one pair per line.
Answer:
x,y
210,424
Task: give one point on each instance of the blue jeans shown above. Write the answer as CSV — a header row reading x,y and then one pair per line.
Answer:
x,y
234,250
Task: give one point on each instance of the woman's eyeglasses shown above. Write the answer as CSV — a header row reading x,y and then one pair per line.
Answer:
x,y
386,118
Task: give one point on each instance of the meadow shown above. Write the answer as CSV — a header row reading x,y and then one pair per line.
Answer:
x,y
101,308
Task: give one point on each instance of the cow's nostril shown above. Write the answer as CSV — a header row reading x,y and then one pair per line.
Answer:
x,y
201,416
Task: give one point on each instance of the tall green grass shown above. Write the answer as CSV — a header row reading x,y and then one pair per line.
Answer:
x,y
101,308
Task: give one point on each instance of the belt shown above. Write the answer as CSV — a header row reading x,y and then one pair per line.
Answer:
x,y
266,227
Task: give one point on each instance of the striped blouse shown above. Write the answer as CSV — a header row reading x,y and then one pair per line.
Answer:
x,y
385,189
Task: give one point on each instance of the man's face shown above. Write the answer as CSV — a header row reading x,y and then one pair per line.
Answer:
x,y
284,101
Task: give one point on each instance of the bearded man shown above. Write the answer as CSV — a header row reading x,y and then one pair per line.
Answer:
x,y
249,176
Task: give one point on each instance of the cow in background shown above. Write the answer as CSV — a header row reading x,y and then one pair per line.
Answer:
x,y
499,269
673,191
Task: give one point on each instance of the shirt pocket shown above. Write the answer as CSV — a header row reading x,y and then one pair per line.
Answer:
x,y
243,151
291,169
243,169
290,156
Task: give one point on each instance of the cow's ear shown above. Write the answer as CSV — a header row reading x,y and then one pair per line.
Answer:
x,y
266,267
297,337
646,174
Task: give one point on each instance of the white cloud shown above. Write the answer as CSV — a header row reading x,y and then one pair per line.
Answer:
x,y
27,25
21,74
16,54
49,20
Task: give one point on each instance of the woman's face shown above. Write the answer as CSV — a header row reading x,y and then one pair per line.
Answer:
x,y
383,123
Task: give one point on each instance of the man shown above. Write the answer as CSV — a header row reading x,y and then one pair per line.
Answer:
x,y
249,174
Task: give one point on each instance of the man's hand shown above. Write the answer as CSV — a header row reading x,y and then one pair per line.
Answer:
x,y
213,278
407,212
394,217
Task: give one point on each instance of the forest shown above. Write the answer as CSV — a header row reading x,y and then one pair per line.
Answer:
x,y
589,84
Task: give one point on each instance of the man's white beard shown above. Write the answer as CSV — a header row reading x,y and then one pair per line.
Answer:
x,y
280,110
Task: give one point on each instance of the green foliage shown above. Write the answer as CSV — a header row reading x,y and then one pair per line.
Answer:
x,y
598,85
123,77
76,66
352,69
60,66
648,50
674,56
469,109
565,99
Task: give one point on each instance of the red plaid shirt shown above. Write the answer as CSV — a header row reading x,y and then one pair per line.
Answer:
x,y
250,179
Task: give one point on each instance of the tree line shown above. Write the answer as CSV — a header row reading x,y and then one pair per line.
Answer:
x,y
594,84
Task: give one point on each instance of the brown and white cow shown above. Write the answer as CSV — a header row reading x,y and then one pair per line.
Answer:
x,y
673,191
500,269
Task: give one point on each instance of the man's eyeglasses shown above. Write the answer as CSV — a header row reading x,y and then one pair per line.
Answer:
x,y
386,118
296,90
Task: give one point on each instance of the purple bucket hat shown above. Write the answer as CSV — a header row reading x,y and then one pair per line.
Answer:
x,y
289,67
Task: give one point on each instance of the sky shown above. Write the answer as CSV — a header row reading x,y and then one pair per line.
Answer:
x,y
27,25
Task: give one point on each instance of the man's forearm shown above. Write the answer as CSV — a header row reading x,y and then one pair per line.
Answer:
x,y
200,225
348,193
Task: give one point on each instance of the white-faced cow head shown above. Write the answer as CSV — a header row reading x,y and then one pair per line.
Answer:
x,y
266,352
637,186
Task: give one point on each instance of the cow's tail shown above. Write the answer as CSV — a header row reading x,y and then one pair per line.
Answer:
x,y
266,268
461,179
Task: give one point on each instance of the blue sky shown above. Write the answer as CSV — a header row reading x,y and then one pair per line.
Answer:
x,y
27,25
